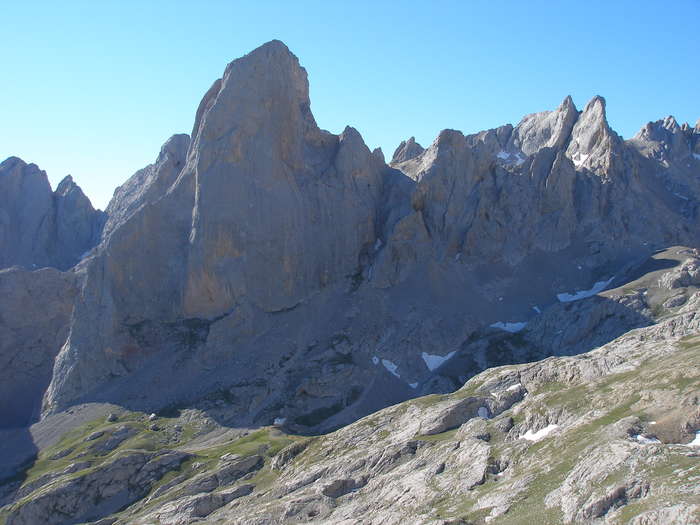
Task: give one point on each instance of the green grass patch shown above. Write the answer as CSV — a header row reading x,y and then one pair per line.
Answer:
x,y
442,436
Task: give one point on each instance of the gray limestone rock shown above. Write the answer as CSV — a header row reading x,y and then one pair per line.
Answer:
x,y
549,129
187,509
97,493
407,150
39,227
215,257
78,225
267,211
148,184
35,311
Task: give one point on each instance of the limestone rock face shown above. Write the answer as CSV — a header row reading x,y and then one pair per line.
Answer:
x,y
407,150
105,490
25,209
271,187
560,180
216,257
78,224
594,146
549,129
267,211
36,309
147,184
39,227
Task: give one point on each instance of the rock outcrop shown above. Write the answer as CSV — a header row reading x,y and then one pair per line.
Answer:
x,y
147,184
35,311
97,493
39,227
407,150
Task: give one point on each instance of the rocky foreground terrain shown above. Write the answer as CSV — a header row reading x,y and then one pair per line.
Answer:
x,y
270,324
608,436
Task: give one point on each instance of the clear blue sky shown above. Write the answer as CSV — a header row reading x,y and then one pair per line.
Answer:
x,y
94,88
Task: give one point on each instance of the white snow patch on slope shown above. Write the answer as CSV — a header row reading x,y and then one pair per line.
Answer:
x,y
646,441
391,367
509,327
537,309
413,385
503,155
583,294
375,360
695,442
579,159
435,361
697,156
513,387
540,434
483,412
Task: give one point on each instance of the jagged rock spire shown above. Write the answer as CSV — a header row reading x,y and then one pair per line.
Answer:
x,y
407,150
592,141
546,129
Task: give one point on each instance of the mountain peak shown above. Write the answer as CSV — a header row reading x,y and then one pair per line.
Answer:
x,y
11,162
670,123
407,150
567,104
265,89
66,185
544,129
592,140
597,103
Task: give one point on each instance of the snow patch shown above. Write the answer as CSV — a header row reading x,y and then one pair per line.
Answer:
x,y
540,434
483,412
279,421
413,385
391,367
583,294
697,156
516,158
378,244
513,387
537,309
645,440
435,361
375,360
695,442
509,327
579,160
681,196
